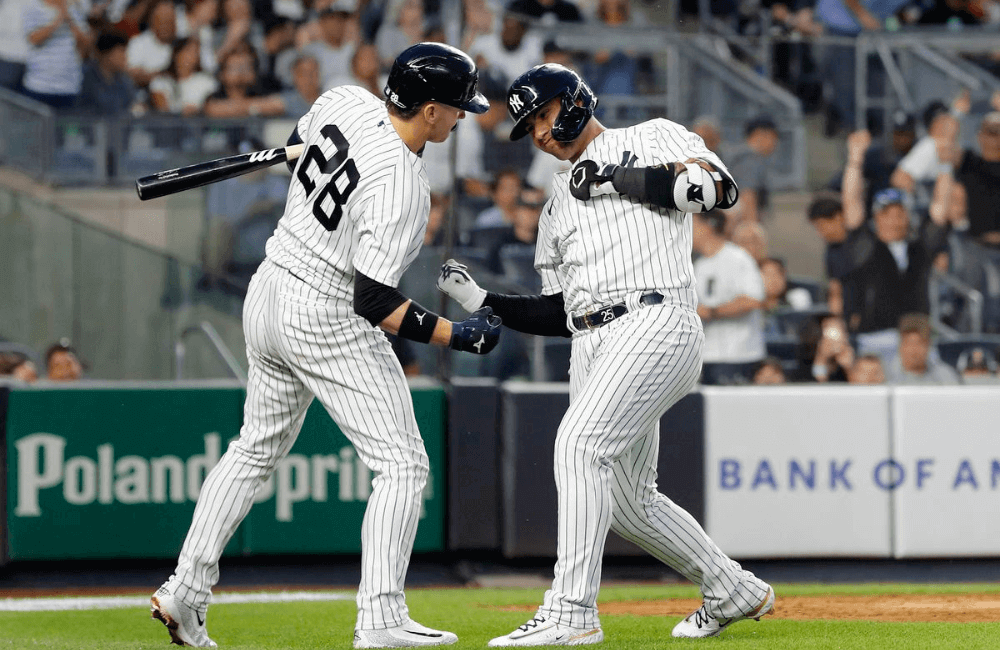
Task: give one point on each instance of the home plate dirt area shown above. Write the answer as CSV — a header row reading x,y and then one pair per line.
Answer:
x,y
944,608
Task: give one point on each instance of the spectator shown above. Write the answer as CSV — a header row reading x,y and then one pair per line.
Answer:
x,y
751,237
708,128
183,87
888,273
365,69
14,43
749,164
866,369
58,36
334,50
914,364
769,372
197,19
62,362
881,160
239,94
977,366
546,12
17,366
478,21
613,72
505,53
149,53
107,88
775,277
826,214
279,45
834,353
237,28
730,295
296,101
919,169
979,176
403,26
505,191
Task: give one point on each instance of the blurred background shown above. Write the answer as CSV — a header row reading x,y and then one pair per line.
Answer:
x,y
834,117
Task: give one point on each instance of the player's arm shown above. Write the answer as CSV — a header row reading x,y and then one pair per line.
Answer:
x,y
393,312
695,185
540,315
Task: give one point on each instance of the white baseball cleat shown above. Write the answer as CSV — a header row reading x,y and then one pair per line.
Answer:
x,y
408,635
186,625
541,631
700,624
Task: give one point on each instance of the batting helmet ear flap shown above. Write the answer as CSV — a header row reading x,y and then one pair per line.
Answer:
x,y
574,116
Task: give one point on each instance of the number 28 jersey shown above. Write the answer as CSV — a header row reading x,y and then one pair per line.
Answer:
x,y
358,199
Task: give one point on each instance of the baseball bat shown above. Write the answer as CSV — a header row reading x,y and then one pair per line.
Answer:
x,y
172,181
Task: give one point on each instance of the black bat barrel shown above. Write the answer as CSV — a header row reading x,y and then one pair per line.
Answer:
x,y
172,181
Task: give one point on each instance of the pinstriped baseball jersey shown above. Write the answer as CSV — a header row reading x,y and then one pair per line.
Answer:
x,y
358,199
599,251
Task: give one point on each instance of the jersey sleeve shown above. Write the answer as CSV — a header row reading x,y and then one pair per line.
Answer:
x,y
391,224
547,258
677,144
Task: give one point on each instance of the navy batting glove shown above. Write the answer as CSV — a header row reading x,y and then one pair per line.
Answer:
x,y
479,333
590,179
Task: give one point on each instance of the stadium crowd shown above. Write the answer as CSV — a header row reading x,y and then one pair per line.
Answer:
x,y
904,207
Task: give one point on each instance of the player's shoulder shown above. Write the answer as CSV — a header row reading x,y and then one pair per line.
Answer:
x,y
352,101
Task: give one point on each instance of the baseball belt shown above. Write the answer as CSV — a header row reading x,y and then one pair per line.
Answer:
x,y
605,315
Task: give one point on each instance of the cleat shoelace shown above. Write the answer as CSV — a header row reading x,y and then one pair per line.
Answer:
x,y
534,622
701,618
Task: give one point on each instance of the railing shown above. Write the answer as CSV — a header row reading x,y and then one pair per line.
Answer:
x,y
208,330
973,305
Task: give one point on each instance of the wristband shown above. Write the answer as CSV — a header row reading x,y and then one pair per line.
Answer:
x,y
819,371
418,323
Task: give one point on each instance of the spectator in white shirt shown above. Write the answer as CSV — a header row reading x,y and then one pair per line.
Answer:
x,y
508,52
184,86
13,43
730,297
57,33
149,53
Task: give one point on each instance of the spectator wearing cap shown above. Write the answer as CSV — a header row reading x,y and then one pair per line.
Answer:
x,y
62,363
930,157
889,271
58,35
882,159
915,364
978,189
730,300
749,164
334,49
149,53
107,88
977,366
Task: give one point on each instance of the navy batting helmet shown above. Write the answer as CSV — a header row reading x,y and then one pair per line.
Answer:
x,y
435,72
545,82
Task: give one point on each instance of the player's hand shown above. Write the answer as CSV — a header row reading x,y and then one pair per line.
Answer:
x,y
589,179
458,284
479,333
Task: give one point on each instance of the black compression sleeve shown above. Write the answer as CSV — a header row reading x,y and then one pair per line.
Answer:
x,y
373,300
539,315
647,184
294,138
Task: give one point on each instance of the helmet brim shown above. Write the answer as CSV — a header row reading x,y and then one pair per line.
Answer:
x,y
478,104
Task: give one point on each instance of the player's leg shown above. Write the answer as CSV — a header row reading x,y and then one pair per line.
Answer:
x,y
275,407
371,403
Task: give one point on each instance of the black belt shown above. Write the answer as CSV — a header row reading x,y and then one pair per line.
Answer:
x,y
605,315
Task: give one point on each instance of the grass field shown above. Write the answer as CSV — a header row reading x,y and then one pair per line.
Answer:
x,y
476,615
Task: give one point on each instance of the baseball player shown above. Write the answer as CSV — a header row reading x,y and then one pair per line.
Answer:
x,y
314,319
614,255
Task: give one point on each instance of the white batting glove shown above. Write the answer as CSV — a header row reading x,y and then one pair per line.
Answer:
x,y
458,284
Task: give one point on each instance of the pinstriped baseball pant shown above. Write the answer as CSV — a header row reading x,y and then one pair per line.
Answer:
x,y
301,344
623,378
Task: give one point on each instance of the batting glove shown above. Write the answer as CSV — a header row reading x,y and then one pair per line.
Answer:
x,y
458,284
590,179
479,333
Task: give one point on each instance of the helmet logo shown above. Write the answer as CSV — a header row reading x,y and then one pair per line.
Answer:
x,y
516,104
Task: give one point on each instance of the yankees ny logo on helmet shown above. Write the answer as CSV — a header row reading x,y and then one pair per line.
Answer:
x,y
479,345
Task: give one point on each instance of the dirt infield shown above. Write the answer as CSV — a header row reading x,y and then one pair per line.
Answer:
x,y
957,608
